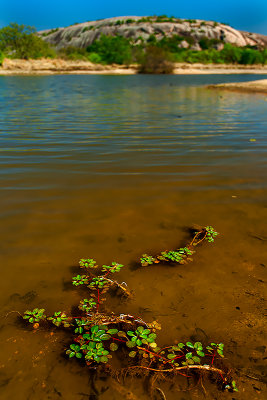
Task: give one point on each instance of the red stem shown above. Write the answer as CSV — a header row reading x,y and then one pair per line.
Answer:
x,y
155,354
213,358
222,377
119,340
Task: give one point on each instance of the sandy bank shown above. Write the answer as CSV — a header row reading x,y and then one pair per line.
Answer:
x,y
59,66
259,86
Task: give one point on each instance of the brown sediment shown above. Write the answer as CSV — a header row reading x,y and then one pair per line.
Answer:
x,y
259,86
60,66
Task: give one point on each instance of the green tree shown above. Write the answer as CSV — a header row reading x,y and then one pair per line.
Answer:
x,y
1,58
231,54
21,41
251,56
112,49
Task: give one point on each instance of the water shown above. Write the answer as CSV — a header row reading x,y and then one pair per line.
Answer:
x,y
111,167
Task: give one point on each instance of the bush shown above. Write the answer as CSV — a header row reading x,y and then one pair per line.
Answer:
x,y
231,54
73,53
206,43
170,44
156,61
20,41
94,58
112,49
251,56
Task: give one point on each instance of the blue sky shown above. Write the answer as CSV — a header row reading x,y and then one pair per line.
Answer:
x,y
241,14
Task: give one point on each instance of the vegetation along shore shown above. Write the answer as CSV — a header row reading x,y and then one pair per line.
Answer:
x,y
157,44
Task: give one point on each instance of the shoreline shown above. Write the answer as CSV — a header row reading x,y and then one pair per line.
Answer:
x,y
68,67
259,86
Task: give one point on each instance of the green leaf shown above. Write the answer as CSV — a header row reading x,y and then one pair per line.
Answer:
x,y
152,336
140,329
189,344
220,352
130,344
122,334
196,359
103,359
113,346
181,345
234,386
86,336
105,336
171,356
78,355
146,332
72,354
130,333
112,331
139,342
153,345
200,353
132,354
94,329
188,356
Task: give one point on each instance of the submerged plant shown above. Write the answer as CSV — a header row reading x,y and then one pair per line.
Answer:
x,y
98,334
182,255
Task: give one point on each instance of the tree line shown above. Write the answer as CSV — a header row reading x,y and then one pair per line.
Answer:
x,y
21,41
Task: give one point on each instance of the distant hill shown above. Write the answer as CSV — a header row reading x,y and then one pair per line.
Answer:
x,y
141,28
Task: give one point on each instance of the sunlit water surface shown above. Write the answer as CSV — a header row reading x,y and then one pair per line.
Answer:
x,y
111,167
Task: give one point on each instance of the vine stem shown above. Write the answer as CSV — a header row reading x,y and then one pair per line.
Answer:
x,y
196,235
154,354
125,290
208,368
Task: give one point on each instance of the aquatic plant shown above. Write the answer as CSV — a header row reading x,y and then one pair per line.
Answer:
x,y
183,254
97,335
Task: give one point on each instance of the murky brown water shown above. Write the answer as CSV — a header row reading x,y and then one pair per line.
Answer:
x,y
111,167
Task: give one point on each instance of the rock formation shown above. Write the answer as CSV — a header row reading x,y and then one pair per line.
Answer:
x,y
83,34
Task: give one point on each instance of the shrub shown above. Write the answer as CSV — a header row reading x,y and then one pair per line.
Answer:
x,y
231,54
73,53
206,43
112,49
251,56
156,61
94,58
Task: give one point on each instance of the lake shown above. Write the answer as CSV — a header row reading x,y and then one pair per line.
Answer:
x,y
111,167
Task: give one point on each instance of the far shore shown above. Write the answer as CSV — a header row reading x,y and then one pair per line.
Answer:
x,y
60,66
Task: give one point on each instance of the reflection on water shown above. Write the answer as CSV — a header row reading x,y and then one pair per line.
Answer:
x,y
110,167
